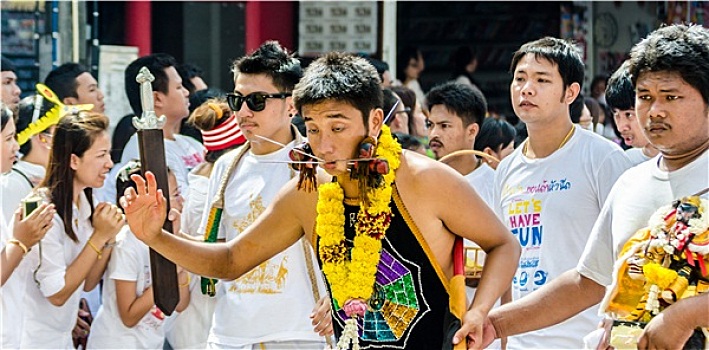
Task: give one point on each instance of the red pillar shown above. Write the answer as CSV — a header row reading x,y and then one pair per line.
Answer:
x,y
269,20
138,26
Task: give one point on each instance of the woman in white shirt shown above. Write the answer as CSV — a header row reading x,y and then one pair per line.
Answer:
x,y
128,317
27,232
16,241
74,253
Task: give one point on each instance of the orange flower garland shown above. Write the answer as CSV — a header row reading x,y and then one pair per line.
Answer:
x,y
355,279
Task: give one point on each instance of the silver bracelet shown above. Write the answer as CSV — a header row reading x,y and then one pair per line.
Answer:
x,y
110,244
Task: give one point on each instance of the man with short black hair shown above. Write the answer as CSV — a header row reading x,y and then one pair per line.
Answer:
x,y
10,92
456,113
550,190
251,175
182,153
74,85
191,75
620,96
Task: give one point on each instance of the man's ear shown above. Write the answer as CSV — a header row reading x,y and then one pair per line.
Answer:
x,y
74,161
70,101
571,92
376,120
158,99
471,131
292,111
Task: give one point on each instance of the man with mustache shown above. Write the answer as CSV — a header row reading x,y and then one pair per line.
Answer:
x,y
456,113
620,96
669,71
550,190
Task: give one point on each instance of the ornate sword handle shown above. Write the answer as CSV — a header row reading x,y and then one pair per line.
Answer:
x,y
149,119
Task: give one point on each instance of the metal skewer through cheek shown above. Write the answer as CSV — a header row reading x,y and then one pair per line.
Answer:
x,y
351,161
294,149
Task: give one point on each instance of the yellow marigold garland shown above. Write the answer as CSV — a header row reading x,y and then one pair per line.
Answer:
x,y
354,279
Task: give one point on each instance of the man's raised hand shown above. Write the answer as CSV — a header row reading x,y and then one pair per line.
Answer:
x,y
145,208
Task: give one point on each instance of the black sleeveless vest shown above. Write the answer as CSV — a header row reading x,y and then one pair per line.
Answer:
x,y
409,306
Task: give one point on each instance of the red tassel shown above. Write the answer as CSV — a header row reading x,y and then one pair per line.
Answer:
x,y
690,256
702,266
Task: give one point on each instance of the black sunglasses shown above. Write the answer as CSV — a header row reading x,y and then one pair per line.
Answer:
x,y
256,101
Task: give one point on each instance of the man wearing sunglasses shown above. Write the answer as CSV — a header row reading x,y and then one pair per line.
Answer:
x,y
262,106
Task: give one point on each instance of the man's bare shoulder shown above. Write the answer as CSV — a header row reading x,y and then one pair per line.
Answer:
x,y
299,205
423,174
291,194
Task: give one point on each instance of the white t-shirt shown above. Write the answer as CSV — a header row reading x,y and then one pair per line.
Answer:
x,y
130,261
638,193
482,180
14,187
636,155
195,202
181,155
272,302
46,325
550,205
12,295
190,329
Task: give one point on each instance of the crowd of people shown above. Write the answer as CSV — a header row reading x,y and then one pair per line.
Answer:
x,y
328,206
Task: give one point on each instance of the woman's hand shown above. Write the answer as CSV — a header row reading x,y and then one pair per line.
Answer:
x,y
145,208
107,221
32,229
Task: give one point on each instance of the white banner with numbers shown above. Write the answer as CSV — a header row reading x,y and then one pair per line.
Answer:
x,y
349,26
